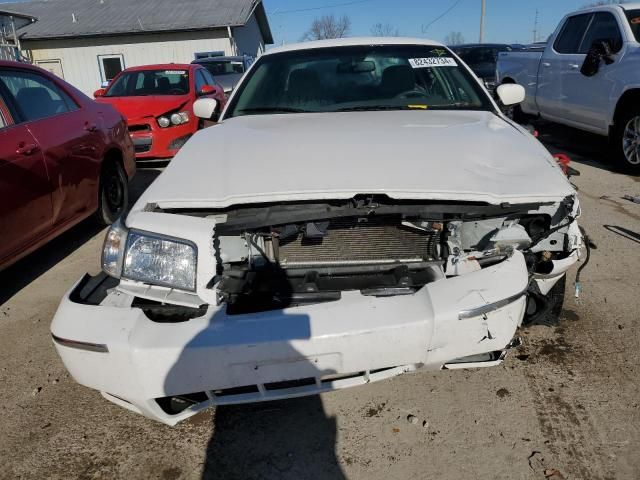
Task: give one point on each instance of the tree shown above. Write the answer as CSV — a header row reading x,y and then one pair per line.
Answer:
x,y
384,30
328,26
454,38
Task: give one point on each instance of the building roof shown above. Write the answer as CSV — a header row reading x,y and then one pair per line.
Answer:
x,y
91,18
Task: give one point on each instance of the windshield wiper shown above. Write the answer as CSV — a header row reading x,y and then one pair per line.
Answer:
x,y
273,110
370,108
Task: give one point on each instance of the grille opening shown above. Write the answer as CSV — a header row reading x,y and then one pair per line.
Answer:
x,y
236,391
301,382
179,403
139,128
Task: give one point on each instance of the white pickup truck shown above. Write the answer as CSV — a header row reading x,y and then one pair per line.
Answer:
x,y
588,77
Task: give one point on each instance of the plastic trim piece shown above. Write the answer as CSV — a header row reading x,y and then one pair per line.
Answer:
x,y
89,347
490,307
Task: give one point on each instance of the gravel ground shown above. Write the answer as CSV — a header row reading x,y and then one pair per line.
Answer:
x,y
567,400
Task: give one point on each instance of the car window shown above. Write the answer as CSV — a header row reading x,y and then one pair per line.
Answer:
x,y
634,20
200,80
604,26
208,77
35,96
383,77
225,67
572,34
140,83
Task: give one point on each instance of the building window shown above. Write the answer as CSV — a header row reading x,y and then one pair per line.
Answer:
x,y
110,66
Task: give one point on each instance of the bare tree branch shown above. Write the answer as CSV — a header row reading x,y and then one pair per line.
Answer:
x,y
454,38
328,26
384,30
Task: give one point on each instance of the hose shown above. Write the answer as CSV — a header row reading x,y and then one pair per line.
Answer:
x,y
587,243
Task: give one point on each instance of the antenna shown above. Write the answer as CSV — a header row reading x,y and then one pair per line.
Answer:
x,y
535,27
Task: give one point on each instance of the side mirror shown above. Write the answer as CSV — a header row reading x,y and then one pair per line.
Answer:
x,y
510,93
205,108
600,50
99,93
207,90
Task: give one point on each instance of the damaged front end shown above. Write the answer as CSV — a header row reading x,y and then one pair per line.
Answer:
x,y
277,256
291,299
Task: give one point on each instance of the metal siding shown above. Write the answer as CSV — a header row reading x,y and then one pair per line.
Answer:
x,y
249,39
80,56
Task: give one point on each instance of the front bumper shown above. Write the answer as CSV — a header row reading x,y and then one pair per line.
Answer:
x,y
152,142
287,353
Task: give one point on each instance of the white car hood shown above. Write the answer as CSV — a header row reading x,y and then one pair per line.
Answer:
x,y
435,155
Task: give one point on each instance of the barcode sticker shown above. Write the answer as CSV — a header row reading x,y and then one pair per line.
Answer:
x,y
432,62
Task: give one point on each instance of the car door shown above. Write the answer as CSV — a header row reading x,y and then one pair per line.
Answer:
x,y
68,136
26,208
559,57
586,100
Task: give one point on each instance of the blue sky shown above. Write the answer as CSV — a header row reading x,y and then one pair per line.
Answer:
x,y
508,21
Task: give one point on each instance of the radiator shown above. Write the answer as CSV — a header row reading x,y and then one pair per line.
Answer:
x,y
360,241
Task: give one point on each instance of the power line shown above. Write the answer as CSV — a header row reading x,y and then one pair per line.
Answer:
x,y
320,7
425,27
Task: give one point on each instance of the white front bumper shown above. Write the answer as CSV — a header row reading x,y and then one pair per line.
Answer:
x,y
358,339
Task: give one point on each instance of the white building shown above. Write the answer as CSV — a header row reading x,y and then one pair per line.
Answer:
x,y
87,42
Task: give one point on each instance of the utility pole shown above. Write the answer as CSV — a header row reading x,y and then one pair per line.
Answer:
x,y
482,14
535,27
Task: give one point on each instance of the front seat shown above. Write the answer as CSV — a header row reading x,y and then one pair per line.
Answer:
x,y
397,79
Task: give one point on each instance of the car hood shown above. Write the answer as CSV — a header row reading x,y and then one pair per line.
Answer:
x,y
147,106
435,155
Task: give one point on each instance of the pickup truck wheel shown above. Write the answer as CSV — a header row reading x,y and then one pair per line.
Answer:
x,y
626,141
113,193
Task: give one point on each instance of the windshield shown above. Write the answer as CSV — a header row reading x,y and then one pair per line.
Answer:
x,y
224,67
150,82
390,77
634,20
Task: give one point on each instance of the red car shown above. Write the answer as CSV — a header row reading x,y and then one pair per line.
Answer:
x,y
63,157
157,101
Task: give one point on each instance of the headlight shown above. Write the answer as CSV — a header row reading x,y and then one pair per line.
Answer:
x,y
179,118
164,122
160,260
113,249
149,258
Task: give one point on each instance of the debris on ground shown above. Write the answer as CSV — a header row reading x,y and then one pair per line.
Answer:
x,y
412,419
553,474
632,198
36,391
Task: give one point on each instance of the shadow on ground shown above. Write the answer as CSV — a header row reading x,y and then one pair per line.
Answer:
x,y
22,273
582,147
288,439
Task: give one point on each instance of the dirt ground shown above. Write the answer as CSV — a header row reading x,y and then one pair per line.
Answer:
x,y
567,400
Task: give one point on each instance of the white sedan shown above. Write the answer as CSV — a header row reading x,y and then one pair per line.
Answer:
x,y
361,210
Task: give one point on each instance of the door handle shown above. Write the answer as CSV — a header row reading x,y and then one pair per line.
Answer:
x,y
26,148
546,64
90,127
574,66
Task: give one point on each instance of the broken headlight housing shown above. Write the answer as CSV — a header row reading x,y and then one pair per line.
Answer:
x,y
149,258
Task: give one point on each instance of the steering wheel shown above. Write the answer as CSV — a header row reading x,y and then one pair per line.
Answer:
x,y
415,93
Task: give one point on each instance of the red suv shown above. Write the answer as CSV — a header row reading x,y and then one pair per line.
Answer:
x,y
63,157
157,101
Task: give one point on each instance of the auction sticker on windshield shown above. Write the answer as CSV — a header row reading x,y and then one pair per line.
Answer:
x,y
432,62
175,72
